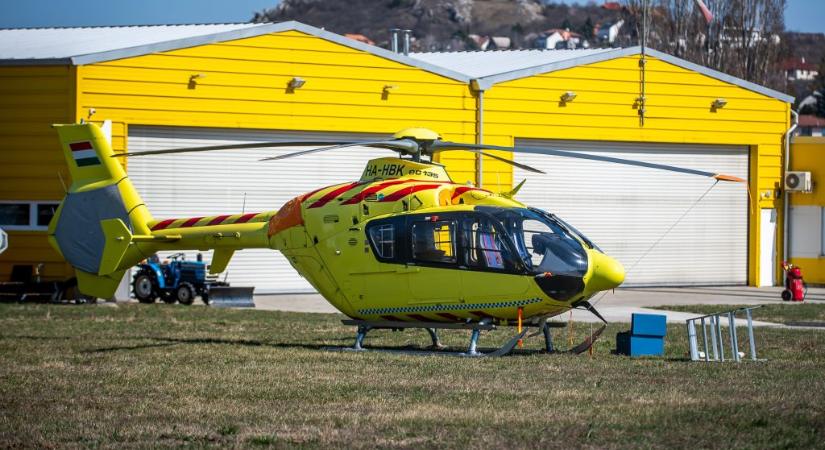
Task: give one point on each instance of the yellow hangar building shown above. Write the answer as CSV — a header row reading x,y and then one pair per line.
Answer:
x,y
192,85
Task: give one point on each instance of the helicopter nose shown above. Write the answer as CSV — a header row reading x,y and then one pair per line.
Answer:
x,y
607,272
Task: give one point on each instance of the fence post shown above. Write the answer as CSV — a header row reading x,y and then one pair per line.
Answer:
x,y
734,344
694,351
750,334
713,342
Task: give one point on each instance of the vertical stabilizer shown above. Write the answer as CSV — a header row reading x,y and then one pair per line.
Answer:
x,y
100,192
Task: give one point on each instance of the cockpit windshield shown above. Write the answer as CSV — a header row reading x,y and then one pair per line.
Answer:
x,y
544,243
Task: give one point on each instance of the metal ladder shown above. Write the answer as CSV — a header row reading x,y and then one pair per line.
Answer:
x,y
714,323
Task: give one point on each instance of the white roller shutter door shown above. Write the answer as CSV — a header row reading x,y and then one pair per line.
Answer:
x,y
625,210
212,183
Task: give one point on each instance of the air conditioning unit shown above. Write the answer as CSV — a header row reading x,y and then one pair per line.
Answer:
x,y
798,181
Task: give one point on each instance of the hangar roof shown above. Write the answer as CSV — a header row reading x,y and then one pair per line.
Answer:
x,y
480,64
88,45
63,43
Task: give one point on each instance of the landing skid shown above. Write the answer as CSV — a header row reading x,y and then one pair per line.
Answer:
x,y
363,327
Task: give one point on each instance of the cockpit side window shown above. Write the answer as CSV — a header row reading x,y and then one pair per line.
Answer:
x,y
533,236
543,243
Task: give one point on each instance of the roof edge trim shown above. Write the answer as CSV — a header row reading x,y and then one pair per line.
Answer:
x,y
175,44
264,28
36,62
485,83
719,75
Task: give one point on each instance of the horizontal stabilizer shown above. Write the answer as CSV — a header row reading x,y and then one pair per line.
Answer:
x,y
118,237
117,241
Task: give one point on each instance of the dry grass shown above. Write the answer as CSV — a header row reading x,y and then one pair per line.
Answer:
x,y
790,312
159,375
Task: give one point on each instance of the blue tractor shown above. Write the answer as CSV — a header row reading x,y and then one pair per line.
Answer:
x,y
176,280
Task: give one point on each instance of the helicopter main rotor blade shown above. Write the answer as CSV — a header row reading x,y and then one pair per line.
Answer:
x,y
406,146
508,161
438,146
210,148
441,146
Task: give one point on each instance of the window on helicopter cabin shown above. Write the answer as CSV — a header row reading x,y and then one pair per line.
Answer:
x,y
484,245
383,240
533,232
433,240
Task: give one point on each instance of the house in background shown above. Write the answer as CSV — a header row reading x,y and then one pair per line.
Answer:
x,y
608,32
810,125
360,38
799,69
560,39
491,42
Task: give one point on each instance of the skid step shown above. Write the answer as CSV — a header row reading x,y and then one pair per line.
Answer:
x,y
231,297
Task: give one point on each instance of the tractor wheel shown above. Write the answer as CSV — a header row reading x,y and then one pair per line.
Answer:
x,y
787,295
186,293
144,288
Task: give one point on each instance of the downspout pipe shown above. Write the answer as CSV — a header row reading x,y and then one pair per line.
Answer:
x,y
479,89
786,220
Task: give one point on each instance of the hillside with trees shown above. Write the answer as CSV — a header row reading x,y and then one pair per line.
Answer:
x,y
745,39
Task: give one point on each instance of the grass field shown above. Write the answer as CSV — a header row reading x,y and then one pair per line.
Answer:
x,y
160,375
779,312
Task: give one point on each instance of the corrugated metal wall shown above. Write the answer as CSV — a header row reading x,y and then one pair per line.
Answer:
x,y
808,210
31,99
243,84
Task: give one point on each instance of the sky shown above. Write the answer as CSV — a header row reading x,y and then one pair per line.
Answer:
x,y
801,15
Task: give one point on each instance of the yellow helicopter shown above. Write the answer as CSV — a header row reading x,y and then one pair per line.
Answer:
x,y
402,247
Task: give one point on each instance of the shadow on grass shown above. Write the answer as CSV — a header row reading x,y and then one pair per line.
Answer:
x,y
167,341
406,349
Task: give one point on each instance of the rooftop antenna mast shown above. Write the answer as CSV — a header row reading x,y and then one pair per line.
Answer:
x,y
642,63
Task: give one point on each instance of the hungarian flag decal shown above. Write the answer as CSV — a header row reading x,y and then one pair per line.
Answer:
x,y
84,154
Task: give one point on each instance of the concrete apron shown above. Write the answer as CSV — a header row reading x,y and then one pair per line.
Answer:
x,y
617,306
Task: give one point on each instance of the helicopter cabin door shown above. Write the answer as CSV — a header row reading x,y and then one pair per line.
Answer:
x,y
491,270
435,275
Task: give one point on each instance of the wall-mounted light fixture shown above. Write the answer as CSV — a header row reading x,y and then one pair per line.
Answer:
x,y
193,79
568,96
719,103
295,83
385,93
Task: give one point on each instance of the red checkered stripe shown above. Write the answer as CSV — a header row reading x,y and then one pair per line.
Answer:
x,y
226,219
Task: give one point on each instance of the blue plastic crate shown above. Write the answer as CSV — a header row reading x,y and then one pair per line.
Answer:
x,y
645,338
627,344
648,325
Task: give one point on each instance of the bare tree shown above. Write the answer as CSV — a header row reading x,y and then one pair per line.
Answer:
x,y
742,39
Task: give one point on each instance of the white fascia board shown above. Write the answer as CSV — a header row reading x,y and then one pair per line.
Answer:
x,y
485,83
258,31
719,75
